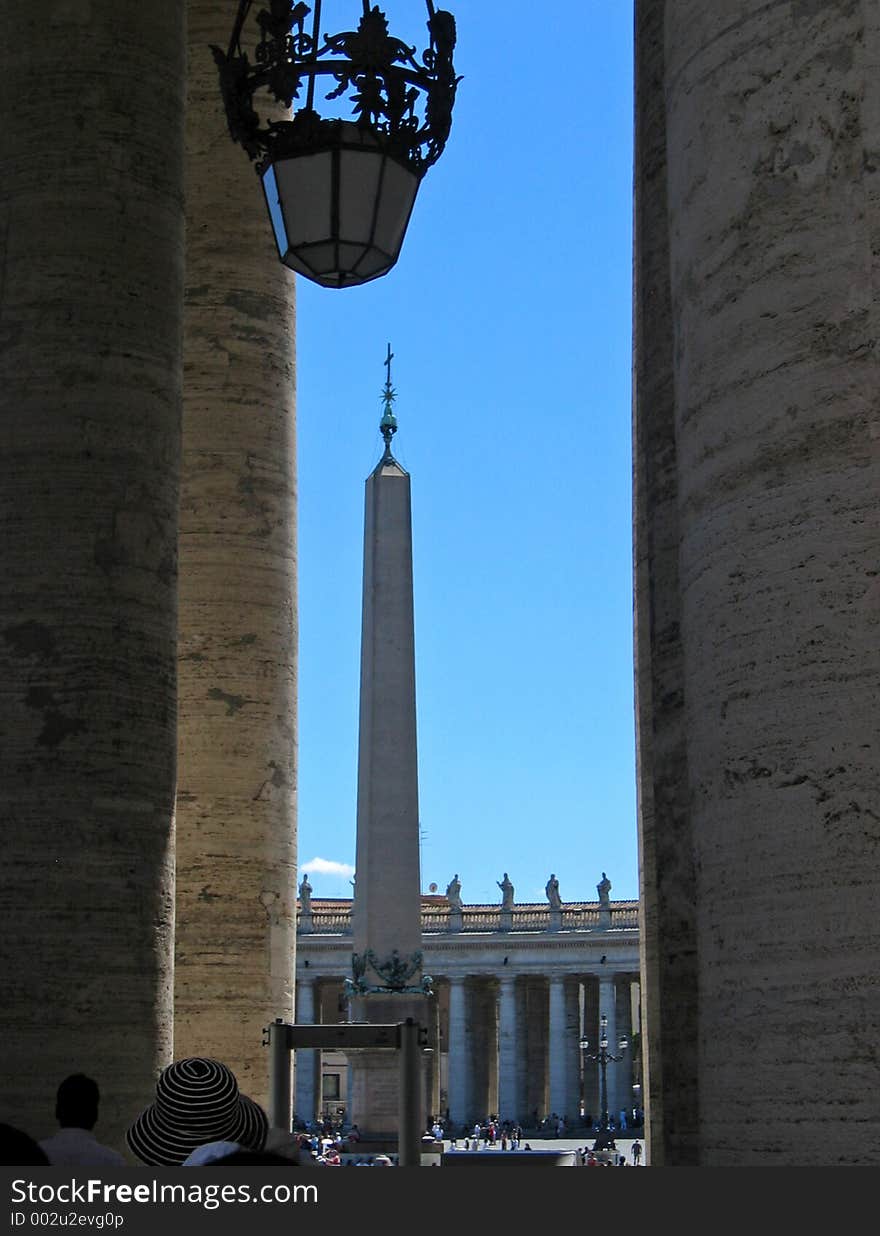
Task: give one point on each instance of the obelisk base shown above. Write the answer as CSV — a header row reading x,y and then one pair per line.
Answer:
x,y
375,1074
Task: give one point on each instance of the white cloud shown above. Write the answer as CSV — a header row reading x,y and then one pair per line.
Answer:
x,y
326,866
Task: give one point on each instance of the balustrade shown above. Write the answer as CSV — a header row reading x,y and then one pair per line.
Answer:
x,y
336,920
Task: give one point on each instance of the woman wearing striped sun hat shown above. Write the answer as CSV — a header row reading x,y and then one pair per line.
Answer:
x,y
197,1101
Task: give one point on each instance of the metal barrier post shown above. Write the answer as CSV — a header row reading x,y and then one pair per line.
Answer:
x,y
410,1133
280,1113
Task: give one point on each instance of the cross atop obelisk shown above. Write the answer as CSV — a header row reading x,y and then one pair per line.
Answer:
x,y
388,423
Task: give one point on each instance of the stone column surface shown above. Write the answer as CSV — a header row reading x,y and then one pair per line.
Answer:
x,y
608,1007
571,1110
306,1059
521,1071
91,272
557,1062
457,1092
623,1071
591,1033
757,652
508,1049
236,823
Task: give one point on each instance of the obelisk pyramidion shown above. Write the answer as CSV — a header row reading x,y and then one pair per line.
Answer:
x,y
387,983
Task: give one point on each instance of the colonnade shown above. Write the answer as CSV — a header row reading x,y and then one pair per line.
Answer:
x,y
508,1044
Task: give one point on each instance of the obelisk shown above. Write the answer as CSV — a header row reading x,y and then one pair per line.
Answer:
x,y
387,973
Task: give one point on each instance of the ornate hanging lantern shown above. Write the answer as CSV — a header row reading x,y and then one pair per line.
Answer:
x,y
340,191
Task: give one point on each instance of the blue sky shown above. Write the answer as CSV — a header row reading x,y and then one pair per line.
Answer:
x,y
509,314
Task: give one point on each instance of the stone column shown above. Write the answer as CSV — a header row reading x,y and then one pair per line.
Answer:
x,y
623,1070
590,1031
608,1007
91,254
572,1054
537,1094
558,1056
307,1059
522,1033
490,1004
758,662
459,1097
481,1049
508,1049
432,1063
236,824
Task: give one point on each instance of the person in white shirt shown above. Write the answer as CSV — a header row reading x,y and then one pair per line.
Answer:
x,y
75,1145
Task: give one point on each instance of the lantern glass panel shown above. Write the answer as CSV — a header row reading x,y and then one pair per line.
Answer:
x,y
349,256
375,263
358,187
320,258
395,206
270,188
304,187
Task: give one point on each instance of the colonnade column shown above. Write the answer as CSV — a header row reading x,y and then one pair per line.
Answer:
x,y
432,1063
557,1054
608,1007
520,1066
591,1032
458,1071
91,301
306,1063
235,927
572,1053
508,1095
623,1071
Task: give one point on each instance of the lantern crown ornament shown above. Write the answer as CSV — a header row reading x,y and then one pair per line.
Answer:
x,y
339,190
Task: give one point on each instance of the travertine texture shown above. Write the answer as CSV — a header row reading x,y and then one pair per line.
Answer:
x,y
236,831
667,903
756,455
91,262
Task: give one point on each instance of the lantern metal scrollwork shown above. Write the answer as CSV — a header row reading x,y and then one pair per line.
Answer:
x,y
340,191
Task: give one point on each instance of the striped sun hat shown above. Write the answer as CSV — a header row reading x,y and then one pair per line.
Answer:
x,y
197,1101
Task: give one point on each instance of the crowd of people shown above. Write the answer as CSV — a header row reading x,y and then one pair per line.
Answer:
x,y
199,1118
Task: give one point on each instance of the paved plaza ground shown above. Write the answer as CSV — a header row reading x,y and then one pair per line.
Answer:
x,y
576,1141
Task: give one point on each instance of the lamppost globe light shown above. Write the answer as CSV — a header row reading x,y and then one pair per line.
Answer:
x,y
604,1057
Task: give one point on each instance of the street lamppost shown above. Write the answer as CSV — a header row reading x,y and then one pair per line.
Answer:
x,y
339,189
604,1139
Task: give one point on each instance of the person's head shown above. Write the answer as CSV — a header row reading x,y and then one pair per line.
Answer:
x,y
17,1149
76,1106
197,1102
